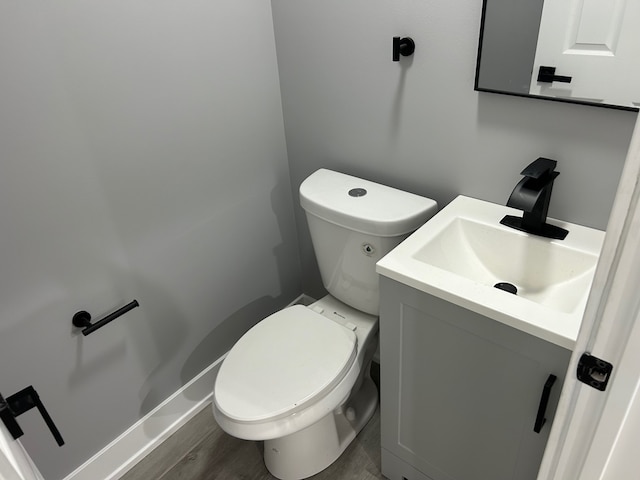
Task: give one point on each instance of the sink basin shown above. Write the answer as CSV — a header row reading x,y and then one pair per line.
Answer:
x,y
544,272
463,252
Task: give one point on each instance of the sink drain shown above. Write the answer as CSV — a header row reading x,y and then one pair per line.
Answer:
x,y
507,287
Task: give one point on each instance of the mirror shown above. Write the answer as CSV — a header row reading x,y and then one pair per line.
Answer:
x,y
578,51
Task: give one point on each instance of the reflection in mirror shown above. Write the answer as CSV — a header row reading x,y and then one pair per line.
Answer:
x,y
579,51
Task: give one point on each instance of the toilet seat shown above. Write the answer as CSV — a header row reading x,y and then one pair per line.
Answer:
x,y
286,361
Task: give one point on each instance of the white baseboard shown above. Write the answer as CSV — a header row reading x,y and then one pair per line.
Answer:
x,y
114,460
302,300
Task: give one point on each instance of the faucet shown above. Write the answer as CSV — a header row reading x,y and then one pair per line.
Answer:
x,y
532,195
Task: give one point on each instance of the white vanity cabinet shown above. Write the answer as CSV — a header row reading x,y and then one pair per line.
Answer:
x,y
460,393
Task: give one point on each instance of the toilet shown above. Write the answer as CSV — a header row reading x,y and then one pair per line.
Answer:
x,y
299,380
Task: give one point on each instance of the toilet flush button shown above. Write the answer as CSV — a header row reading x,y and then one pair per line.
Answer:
x,y
351,326
318,309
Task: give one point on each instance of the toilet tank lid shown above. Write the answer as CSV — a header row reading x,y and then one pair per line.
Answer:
x,y
362,205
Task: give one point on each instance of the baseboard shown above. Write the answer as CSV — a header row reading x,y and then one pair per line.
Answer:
x,y
302,300
114,460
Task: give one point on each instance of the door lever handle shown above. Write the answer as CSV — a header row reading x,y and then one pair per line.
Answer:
x,y
21,402
548,75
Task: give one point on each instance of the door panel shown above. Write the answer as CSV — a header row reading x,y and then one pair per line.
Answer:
x,y
596,44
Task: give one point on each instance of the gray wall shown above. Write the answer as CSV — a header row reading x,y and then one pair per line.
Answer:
x,y
142,155
418,124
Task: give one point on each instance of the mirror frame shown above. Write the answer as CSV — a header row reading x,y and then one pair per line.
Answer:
x,y
525,95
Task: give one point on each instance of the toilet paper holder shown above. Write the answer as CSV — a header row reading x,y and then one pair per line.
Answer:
x,y
82,319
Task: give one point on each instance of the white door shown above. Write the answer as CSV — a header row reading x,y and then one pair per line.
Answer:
x,y
15,463
613,454
597,44
595,435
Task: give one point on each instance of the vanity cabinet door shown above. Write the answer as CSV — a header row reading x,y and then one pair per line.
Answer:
x,y
460,392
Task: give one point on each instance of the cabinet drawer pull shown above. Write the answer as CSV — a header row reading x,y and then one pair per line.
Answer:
x,y
544,400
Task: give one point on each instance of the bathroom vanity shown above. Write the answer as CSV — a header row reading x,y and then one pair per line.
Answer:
x,y
460,392
471,373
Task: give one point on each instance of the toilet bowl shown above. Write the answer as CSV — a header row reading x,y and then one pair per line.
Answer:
x,y
299,380
296,388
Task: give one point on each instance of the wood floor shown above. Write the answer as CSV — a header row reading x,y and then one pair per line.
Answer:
x,y
200,450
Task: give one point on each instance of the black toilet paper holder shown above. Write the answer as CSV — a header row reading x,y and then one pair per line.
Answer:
x,y
82,319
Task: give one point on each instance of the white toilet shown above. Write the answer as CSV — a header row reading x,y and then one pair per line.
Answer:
x,y
299,379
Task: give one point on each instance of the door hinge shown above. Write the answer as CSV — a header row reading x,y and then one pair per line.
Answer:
x,y
594,371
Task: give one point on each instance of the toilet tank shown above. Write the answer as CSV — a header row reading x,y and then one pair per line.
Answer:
x,y
353,224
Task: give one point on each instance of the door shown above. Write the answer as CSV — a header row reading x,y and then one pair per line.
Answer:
x,y
15,463
595,435
597,44
613,452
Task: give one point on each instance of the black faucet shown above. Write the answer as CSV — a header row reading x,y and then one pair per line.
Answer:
x,y
532,195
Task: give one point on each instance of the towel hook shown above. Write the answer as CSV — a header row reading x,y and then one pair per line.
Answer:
x,y
404,46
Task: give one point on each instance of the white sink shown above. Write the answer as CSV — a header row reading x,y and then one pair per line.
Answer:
x,y
463,251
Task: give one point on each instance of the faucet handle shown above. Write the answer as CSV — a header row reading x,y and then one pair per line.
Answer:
x,y
539,168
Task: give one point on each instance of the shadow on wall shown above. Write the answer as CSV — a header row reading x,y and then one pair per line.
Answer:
x,y
96,364
237,271
224,336
398,99
157,338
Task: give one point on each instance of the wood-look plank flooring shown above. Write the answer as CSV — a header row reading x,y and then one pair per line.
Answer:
x,y
200,450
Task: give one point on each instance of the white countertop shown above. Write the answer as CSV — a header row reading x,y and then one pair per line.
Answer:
x,y
555,321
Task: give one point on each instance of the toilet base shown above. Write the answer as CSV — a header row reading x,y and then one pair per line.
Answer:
x,y
314,448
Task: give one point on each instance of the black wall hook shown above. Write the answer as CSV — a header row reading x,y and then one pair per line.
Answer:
x,y
82,319
404,46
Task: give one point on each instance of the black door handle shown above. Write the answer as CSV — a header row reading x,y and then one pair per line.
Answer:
x,y
544,400
9,419
548,75
21,402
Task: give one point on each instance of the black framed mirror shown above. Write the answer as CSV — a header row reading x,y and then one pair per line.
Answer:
x,y
514,51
